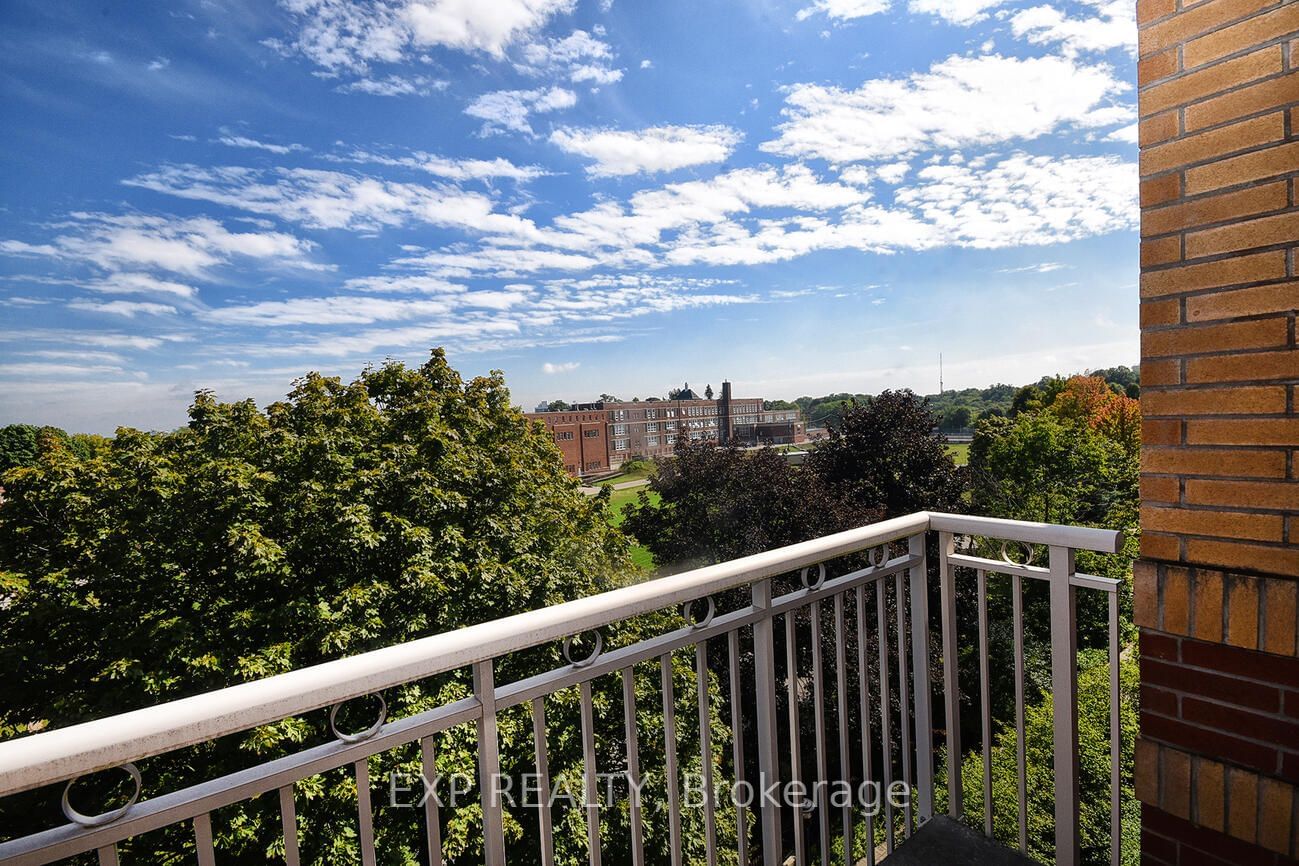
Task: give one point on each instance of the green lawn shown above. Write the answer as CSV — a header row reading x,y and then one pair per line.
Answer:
x,y
960,452
635,475
618,500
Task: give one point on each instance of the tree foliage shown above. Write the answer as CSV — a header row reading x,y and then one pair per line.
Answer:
x,y
349,517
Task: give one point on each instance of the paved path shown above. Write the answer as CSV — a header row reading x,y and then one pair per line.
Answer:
x,y
625,485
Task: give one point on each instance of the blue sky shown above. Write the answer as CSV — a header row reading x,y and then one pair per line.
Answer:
x,y
802,196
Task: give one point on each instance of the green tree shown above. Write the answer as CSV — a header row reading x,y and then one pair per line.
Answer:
x,y
557,406
349,517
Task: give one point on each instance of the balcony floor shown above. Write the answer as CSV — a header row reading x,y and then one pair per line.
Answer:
x,y
944,842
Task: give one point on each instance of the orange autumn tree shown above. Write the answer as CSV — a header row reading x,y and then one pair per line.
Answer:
x,y
1114,415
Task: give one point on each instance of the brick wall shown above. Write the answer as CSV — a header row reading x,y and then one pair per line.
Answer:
x,y
1216,592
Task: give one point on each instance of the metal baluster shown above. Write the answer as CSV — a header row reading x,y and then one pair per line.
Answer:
x,y
904,702
737,744
289,822
841,707
432,820
886,734
985,703
489,764
951,679
795,755
1064,688
547,833
670,753
364,812
633,767
589,792
864,699
818,712
924,721
706,753
1116,733
764,674
203,840
1021,749
107,855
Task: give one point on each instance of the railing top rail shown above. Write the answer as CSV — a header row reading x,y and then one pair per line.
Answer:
x,y
65,753
1051,534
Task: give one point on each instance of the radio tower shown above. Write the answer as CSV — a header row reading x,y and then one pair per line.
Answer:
x,y
940,374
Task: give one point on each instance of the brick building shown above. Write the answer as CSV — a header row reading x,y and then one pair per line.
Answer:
x,y
650,428
1215,591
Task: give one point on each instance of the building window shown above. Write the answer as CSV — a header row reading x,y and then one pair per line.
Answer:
x,y
572,467
651,428
651,441
672,413
563,435
591,434
651,414
620,445
620,429
594,464
670,427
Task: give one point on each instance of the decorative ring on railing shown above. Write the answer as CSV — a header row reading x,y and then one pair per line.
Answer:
x,y
359,735
1027,548
820,577
964,542
107,817
878,555
587,660
709,612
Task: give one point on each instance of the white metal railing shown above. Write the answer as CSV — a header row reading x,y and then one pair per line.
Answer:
x,y
896,567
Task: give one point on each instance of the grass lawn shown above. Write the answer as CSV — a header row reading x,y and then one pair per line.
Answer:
x,y
961,453
617,501
635,475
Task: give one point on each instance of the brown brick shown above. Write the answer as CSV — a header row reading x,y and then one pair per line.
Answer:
x,y
1242,804
1145,594
1246,168
1209,275
1206,82
1156,545
1151,10
1250,557
1176,601
1216,524
1160,313
1161,432
1208,605
1175,787
1279,298
1248,400
1228,337
1160,252
1209,798
1156,373
1243,494
1242,611
1159,488
1215,209
1258,366
1213,144
1161,127
1160,190
1256,431
1279,617
1261,232
1277,801
1238,37
1203,461
1146,770
1156,66
1202,19
1241,103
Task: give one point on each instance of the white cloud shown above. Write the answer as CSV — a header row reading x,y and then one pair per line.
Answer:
x,y
231,140
844,10
453,169
159,63
502,110
962,12
128,283
353,34
579,57
647,64
658,148
1127,134
395,85
1043,268
960,101
1113,26
341,310
566,367
129,309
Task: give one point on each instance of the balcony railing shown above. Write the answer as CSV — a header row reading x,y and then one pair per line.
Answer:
x,y
895,731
